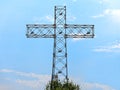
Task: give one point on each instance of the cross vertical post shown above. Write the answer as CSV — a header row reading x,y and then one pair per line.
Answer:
x,y
59,68
60,31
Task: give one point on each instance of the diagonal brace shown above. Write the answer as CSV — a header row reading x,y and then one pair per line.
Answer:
x,y
40,31
79,31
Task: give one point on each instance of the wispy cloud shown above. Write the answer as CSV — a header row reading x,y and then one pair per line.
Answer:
x,y
50,19
31,83
95,86
36,80
115,47
44,19
77,39
112,14
41,81
32,75
98,16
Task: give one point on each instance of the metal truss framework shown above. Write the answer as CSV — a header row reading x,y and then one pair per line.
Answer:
x,y
60,31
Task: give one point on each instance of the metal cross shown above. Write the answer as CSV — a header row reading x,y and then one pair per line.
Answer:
x,y
60,31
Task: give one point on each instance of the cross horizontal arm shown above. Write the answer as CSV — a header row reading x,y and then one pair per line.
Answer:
x,y
79,31
40,30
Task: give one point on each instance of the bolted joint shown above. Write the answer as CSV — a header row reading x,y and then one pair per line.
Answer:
x,y
54,25
54,35
65,25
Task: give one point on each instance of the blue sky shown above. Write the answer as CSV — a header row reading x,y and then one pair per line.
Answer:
x,y
26,63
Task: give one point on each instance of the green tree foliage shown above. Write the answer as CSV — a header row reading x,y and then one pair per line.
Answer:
x,y
62,86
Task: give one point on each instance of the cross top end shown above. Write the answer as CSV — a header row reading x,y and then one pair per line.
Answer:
x,y
49,30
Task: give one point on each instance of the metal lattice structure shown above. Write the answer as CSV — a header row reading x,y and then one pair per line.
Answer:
x,y
60,31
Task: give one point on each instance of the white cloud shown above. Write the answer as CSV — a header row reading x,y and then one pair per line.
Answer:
x,y
98,16
115,47
50,18
41,81
95,86
6,70
112,14
32,75
77,39
36,80
31,83
47,18
111,11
